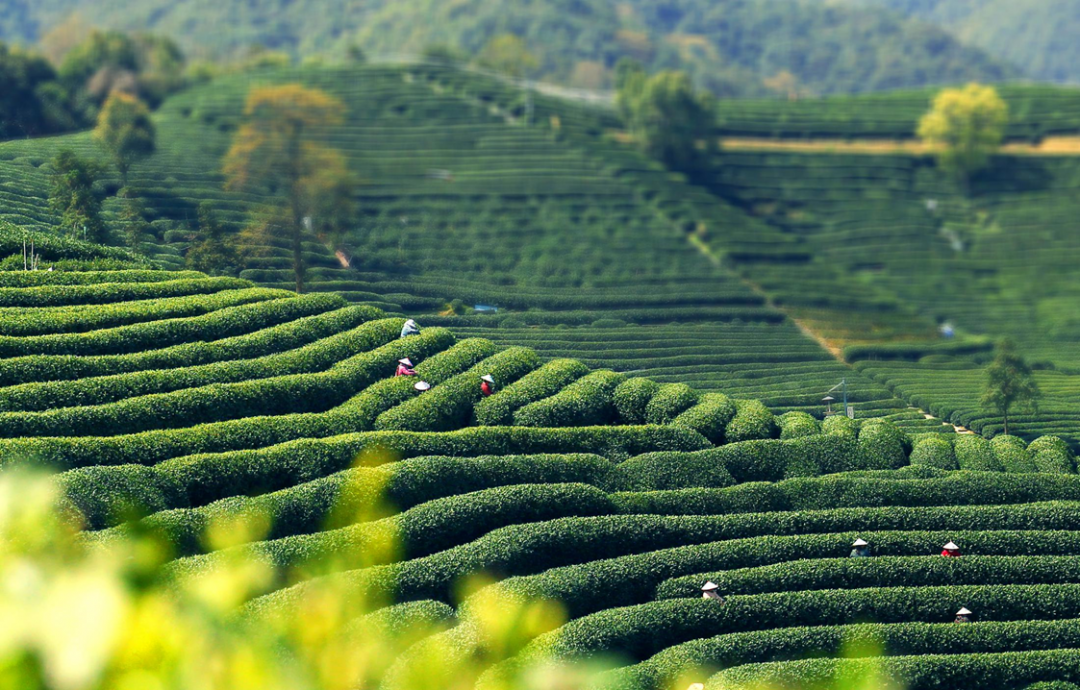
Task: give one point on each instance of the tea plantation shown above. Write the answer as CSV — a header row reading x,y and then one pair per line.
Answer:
x,y
170,400
657,416
1037,111
582,249
895,253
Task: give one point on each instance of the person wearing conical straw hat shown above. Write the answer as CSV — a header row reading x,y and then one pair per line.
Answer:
x,y
951,550
404,367
487,385
711,590
422,386
860,549
964,616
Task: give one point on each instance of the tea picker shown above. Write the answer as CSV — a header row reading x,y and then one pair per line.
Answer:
x,y
410,328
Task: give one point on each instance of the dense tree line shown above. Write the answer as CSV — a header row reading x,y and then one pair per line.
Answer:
x,y
731,47
39,97
33,101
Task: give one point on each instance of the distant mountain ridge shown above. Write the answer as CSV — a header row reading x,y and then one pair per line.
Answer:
x,y
733,47
1041,37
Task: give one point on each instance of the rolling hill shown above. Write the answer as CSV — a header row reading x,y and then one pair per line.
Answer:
x,y
171,401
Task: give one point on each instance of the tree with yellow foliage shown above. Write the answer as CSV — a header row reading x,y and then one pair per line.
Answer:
x,y
508,54
279,151
126,131
965,127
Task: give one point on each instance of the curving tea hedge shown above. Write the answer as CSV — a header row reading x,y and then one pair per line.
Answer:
x,y
21,321
450,405
669,402
585,402
291,395
101,293
31,369
934,450
310,358
709,417
994,671
549,379
792,644
644,630
751,421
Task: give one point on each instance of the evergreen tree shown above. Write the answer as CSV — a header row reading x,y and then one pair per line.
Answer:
x,y
212,250
133,219
73,198
673,123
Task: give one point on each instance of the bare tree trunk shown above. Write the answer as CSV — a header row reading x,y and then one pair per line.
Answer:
x,y
297,230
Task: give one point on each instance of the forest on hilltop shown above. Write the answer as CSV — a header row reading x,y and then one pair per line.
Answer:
x,y
733,47
1038,36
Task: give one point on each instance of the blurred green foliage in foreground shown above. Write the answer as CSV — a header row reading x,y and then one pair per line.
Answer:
x,y
82,617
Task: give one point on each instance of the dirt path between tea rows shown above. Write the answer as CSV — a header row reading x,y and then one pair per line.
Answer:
x,y
1051,146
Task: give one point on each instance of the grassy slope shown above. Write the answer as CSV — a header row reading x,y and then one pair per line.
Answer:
x,y
560,511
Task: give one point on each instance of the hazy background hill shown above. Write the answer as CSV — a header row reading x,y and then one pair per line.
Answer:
x,y
734,47
1038,36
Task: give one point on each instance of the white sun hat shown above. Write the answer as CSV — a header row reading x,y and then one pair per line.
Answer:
x,y
488,377
861,542
951,546
709,586
422,386
963,612
406,361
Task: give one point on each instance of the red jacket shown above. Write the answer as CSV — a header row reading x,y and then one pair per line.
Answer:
x,y
403,370
950,554
486,389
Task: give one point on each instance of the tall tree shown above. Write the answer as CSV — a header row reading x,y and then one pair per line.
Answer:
x,y
630,78
126,131
1010,383
73,197
965,127
674,123
278,150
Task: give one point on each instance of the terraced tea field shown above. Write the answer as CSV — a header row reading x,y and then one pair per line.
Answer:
x,y
1036,112
582,245
887,268
615,496
460,200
